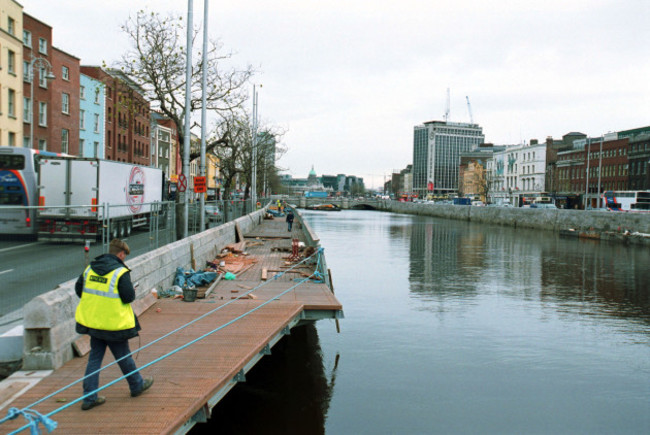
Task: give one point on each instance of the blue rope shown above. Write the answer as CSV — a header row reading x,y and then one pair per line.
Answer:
x,y
33,419
48,423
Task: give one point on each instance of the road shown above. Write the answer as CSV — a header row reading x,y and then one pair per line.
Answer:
x,y
28,269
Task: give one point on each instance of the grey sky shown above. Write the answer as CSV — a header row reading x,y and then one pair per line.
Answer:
x,y
349,79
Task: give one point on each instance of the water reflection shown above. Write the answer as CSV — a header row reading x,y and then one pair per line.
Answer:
x,y
453,261
287,392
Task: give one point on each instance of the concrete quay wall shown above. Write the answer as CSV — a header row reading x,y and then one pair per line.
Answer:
x,y
542,219
49,325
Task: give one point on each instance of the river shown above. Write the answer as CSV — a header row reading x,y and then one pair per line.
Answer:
x,y
453,327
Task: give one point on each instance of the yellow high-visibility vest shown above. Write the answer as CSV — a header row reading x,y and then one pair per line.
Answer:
x,y
100,306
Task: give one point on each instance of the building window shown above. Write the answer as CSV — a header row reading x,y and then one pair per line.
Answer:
x,y
96,130
42,45
65,103
64,140
82,92
82,143
42,81
65,73
26,72
11,26
11,62
12,139
27,110
27,38
11,94
96,149
42,114
26,142
82,119
97,92
42,144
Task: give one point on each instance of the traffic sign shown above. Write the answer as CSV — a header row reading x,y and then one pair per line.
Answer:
x,y
182,183
199,185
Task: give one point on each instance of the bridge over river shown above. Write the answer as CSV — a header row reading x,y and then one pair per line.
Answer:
x,y
344,203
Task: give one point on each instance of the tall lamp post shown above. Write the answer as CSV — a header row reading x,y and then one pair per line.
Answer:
x,y
45,66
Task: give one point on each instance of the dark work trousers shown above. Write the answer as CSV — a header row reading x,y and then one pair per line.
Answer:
x,y
97,351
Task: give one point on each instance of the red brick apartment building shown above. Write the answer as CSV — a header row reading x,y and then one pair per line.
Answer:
x,y
609,156
37,43
64,128
127,117
639,157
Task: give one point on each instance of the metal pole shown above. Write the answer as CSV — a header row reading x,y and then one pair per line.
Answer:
x,y
254,151
31,93
204,84
600,165
188,101
588,147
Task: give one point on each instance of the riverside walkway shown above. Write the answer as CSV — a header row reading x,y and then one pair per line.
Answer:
x,y
195,367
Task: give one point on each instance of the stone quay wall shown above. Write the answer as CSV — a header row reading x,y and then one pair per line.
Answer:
x,y
534,218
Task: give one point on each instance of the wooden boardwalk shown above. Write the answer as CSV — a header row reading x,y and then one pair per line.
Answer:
x,y
189,383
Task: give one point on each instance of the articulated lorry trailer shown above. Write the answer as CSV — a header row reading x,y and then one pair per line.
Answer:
x,y
81,198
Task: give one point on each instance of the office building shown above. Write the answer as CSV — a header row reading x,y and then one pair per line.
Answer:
x,y
437,146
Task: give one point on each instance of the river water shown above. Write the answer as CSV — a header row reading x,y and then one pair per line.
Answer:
x,y
453,327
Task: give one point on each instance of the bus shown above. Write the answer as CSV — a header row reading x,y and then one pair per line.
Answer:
x,y
627,200
18,190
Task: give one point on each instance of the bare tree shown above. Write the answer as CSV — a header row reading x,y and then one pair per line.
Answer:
x,y
157,62
235,153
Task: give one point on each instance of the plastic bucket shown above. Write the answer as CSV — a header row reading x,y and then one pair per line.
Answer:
x,y
189,295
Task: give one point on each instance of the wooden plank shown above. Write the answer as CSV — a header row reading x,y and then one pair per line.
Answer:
x,y
213,285
81,345
193,260
239,235
244,269
143,304
264,274
236,248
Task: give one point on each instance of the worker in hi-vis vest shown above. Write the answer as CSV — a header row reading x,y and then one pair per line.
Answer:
x,y
105,314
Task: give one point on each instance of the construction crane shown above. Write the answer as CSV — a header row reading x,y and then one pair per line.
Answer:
x,y
469,109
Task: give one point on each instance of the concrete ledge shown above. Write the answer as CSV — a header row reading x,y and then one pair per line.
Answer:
x,y
49,325
543,219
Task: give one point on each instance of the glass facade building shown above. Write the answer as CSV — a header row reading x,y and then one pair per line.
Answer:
x,y
437,146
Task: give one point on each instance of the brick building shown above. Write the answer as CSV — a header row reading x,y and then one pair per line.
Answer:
x,y
127,117
604,167
37,43
64,106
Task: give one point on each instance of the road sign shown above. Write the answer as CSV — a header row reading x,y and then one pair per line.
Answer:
x,y
182,183
199,185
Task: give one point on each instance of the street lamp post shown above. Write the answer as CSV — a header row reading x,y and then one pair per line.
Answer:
x,y
46,66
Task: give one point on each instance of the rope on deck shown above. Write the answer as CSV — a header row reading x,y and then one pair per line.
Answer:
x,y
34,417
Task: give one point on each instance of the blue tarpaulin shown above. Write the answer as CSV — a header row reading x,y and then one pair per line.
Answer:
x,y
274,213
188,278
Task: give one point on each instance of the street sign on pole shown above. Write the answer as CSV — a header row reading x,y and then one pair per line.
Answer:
x,y
199,185
182,183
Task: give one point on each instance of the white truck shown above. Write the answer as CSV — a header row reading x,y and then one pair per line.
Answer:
x,y
80,198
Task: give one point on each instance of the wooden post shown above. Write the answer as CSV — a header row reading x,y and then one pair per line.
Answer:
x,y
329,273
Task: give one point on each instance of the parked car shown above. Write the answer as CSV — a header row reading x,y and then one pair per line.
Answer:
x,y
212,214
478,204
